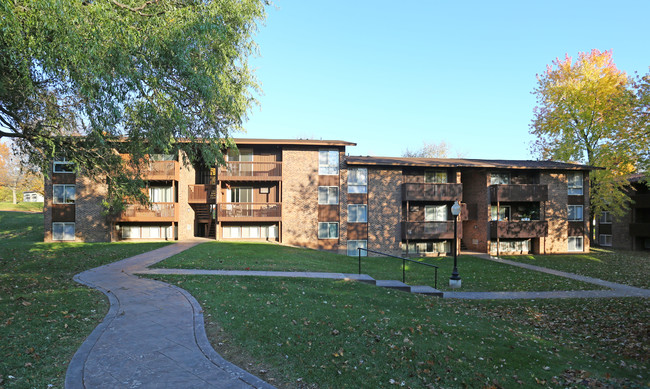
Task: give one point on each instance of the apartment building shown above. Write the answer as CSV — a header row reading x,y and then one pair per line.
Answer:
x,y
632,231
309,193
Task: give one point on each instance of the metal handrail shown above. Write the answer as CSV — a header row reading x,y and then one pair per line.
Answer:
x,y
435,281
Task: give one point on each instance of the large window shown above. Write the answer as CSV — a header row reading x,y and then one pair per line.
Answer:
x,y
499,178
605,218
62,165
161,194
358,180
435,213
605,240
62,231
435,177
240,195
438,247
357,213
575,213
504,213
328,230
355,245
575,183
328,162
242,155
64,194
328,195
575,243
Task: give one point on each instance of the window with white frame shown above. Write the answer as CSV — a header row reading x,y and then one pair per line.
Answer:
x,y
64,194
161,194
605,240
575,183
605,218
328,162
328,195
62,165
499,178
575,243
355,245
62,231
358,180
435,177
328,230
435,213
575,213
357,213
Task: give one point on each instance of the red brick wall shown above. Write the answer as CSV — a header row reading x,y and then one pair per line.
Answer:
x,y
384,209
90,224
475,195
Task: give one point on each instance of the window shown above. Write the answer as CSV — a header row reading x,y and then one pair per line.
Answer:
x,y
328,230
575,213
437,247
605,240
605,218
242,162
62,165
162,157
575,183
64,194
575,243
328,195
161,194
434,177
62,231
499,178
240,195
357,213
435,213
504,213
355,245
328,162
358,180
150,232
514,245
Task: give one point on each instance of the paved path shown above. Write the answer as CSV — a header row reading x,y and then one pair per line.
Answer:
x,y
152,336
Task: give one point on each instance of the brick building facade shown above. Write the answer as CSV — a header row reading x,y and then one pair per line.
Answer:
x,y
309,193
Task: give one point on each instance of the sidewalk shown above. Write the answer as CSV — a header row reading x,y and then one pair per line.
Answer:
x,y
152,336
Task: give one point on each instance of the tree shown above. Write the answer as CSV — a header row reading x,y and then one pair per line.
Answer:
x,y
429,150
15,176
588,112
82,79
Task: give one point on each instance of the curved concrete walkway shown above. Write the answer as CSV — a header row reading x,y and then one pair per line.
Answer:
x,y
152,336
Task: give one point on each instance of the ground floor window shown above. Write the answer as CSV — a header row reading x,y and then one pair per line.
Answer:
x,y
250,232
605,240
355,245
63,231
147,232
510,246
433,247
575,243
328,230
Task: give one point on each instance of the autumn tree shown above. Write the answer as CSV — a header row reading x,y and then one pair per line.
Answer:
x,y
428,150
587,111
15,176
78,78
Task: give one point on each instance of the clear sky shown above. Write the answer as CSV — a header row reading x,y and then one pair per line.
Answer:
x,y
389,75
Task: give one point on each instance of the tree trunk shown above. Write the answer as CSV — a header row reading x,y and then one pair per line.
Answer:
x,y
13,193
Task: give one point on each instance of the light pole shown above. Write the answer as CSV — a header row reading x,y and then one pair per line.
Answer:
x,y
454,280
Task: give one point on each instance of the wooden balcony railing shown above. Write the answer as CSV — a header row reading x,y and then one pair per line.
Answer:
x,y
640,229
156,212
522,192
201,194
430,230
249,211
255,171
518,229
160,170
432,192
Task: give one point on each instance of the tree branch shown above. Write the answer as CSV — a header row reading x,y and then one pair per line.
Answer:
x,y
139,9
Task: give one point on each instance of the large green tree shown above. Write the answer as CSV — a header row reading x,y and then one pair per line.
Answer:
x,y
79,77
589,111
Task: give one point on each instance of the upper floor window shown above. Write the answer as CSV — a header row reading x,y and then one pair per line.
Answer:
x,y
358,180
357,213
328,230
435,177
64,194
504,213
575,213
605,218
575,183
328,195
62,165
161,194
499,178
435,213
328,162
240,195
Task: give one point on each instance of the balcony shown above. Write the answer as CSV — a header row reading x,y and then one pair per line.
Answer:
x,y
518,229
157,212
432,192
640,229
242,212
251,171
201,194
523,192
430,230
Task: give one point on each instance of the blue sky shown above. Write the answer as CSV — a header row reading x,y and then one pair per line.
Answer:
x,y
389,75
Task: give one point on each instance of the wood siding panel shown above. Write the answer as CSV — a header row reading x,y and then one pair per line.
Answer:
x,y
328,213
63,178
328,180
357,231
357,198
63,212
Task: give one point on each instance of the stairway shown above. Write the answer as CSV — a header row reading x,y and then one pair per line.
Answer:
x,y
398,285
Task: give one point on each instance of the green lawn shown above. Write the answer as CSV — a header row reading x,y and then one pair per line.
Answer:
x,y
477,274
308,333
625,267
24,207
44,314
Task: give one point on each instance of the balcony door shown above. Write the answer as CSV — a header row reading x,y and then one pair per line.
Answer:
x,y
243,162
435,213
240,195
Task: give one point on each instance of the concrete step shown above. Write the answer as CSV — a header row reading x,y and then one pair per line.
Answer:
x,y
393,284
361,278
425,289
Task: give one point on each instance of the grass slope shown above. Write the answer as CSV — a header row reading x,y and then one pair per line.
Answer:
x,y
23,207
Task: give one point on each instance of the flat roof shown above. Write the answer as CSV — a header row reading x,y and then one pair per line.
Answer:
x,y
292,142
469,163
